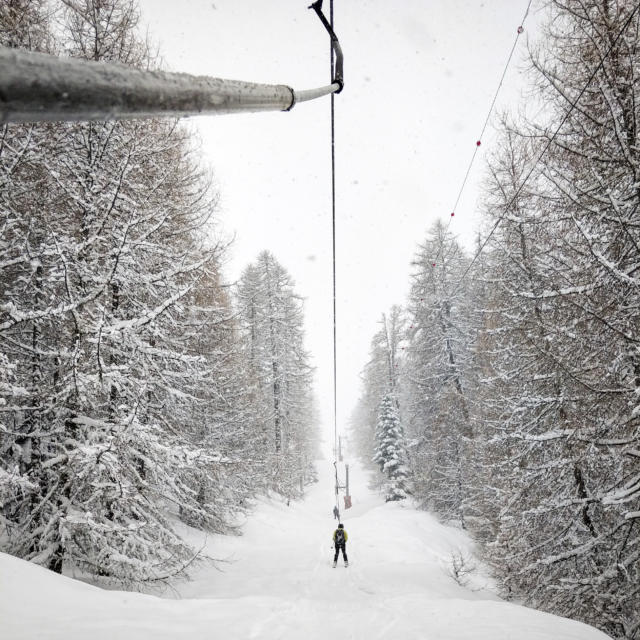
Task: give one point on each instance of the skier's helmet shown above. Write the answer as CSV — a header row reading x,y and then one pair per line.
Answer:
x,y
341,526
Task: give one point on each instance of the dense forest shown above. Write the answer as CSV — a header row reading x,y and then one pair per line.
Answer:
x,y
137,389
511,377
141,392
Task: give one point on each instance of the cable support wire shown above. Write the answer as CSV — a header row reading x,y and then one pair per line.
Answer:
x,y
549,142
38,87
519,32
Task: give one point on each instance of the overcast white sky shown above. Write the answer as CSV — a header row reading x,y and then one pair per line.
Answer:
x,y
419,80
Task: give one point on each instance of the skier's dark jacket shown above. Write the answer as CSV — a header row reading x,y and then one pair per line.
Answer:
x,y
335,533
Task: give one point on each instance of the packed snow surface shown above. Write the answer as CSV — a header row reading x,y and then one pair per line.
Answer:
x,y
277,582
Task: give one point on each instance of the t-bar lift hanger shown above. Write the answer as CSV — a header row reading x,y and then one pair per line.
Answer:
x,y
38,87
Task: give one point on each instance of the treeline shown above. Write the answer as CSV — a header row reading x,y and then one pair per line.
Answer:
x,y
516,374
136,389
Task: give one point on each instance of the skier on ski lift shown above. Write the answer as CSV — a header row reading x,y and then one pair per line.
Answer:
x,y
336,513
340,542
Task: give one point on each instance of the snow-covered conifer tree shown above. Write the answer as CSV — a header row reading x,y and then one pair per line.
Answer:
x,y
390,454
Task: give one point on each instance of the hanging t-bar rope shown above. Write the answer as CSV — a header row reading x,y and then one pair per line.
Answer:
x,y
336,74
37,87
337,71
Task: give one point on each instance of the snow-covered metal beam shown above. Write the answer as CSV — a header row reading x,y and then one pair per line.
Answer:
x,y
37,87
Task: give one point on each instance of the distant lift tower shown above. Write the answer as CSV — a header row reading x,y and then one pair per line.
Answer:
x,y
347,496
345,486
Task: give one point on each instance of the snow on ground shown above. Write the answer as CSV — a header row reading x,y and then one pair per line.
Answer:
x,y
277,582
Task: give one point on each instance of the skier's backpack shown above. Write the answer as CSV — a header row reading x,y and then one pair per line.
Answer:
x,y
339,538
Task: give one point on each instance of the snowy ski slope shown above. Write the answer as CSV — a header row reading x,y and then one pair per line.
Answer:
x,y
278,583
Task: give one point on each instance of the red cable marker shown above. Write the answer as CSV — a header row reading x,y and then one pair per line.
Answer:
x,y
552,138
520,30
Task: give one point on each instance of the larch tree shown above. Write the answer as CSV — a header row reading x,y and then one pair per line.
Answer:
x,y
566,258
381,375
271,317
106,246
439,338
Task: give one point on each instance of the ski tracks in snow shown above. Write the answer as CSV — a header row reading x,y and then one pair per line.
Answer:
x,y
396,585
280,585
